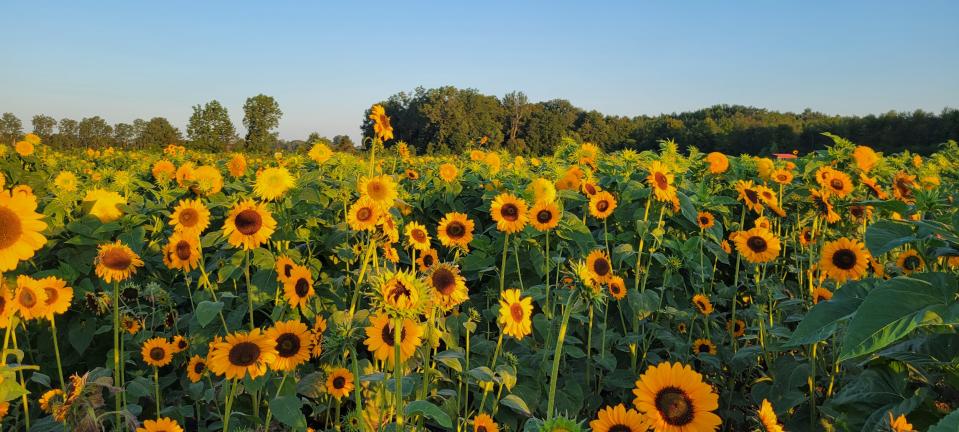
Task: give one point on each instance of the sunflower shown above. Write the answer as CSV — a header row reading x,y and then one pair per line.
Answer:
x,y
163,171
865,157
718,163
339,382
805,237
704,346
284,268
182,252
196,368
241,354
705,219
24,148
381,123
455,229
820,295
823,207
320,152
844,259
602,204
401,291
50,398
899,424
190,217
237,165
561,424
449,287
179,344
542,189
207,180
427,260
381,338
910,261
757,245
58,295
363,215
838,183
157,352
20,229
514,314
726,247
590,188
599,266
292,339
768,417
749,195
116,262
544,216
782,176
30,299
298,288
103,204
448,172
902,187
484,423
417,236
380,189
873,186
163,424
703,305
248,225
675,398
661,180
130,324
619,419
762,222
412,174
66,181
617,287
319,328
509,212
736,328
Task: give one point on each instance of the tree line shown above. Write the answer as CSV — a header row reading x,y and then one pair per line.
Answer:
x,y
449,119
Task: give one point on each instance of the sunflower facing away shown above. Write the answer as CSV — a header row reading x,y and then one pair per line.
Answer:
x,y
455,230
293,339
241,354
704,346
902,187
675,398
272,183
182,252
298,288
401,292
820,295
58,295
599,266
30,299
339,382
157,352
661,180
509,212
910,261
20,229
602,204
768,417
899,424
484,423
619,419
515,313
449,287
163,424
363,215
757,245
116,262
417,236
319,328
844,259
703,305
248,225
381,338
544,216
196,368
190,217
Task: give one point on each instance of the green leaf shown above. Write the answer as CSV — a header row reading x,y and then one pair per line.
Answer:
x,y
822,320
949,423
206,311
286,409
517,404
885,235
430,411
81,334
890,312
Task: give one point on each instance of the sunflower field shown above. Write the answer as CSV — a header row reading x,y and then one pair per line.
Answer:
x,y
660,290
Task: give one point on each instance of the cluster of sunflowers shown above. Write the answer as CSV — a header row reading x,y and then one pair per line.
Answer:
x,y
626,292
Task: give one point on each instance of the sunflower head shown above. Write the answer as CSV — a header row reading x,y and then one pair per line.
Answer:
x,y
401,293
116,262
602,204
339,382
298,288
674,397
702,304
844,259
705,219
515,312
292,341
599,266
910,262
484,423
157,352
757,245
619,419
449,287
544,216
241,354
704,347
455,230
509,212
249,225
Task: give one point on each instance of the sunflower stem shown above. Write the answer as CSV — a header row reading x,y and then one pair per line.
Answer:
x,y
546,308
56,351
499,344
502,267
557,356
156,381
116,350
229,406
249,288
26,404
398,369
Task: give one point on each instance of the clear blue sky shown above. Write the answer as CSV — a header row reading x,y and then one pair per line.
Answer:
x,y
325,64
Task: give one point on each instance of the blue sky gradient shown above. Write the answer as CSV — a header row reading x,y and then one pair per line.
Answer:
x,y
325,63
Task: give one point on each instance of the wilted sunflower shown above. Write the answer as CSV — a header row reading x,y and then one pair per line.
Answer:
x,y
196,368
427,260
844,259
284,268
182,252
514,314
298,288
20,229
675,398
544,216
509,212
363,215
190,217
768,417
821,294
449,287
116,262
902,187
380,189
910,261
661,180
484,423
50,398
704,346
319,328
757,245
455,229
417,236
163,424
617,287
241,354
381,338
736,328
619,419
292,339
823,207
805,237
703,305
705,219
157,352
381,123
749,195
248,225
58,295
602,204
339,382
599,266
30,299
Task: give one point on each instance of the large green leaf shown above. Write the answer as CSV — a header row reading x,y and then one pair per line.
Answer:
x,y
949,423
890,312
206,311
286,409
885,235
821,322
430,411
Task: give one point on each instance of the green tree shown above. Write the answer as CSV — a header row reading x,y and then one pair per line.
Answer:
x,y
68,133
210,127
157,133
124,135
95,132
343,143
43,126
261,114
518,111
10,128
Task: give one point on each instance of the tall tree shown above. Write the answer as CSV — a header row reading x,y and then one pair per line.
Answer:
x,y
43,125
10,128
68,133
210,127
124,135
517,111
343,143
261,114
95,132
158,133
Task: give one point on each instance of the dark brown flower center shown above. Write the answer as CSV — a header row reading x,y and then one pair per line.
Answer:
x,y
199,367
287,269
620,428
602,205
157,353
52,295
509,212
516,311
397,290
364,214
443,280
287,345
10,228
675,406
244,354
836,184
418,235
757,244
301,287
601,267
428,260
455,230
544,216
248,222
115,258
751,195
27,298
189,217
661,181
703,348
844,259
183,250
911,262
339,382
387,334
